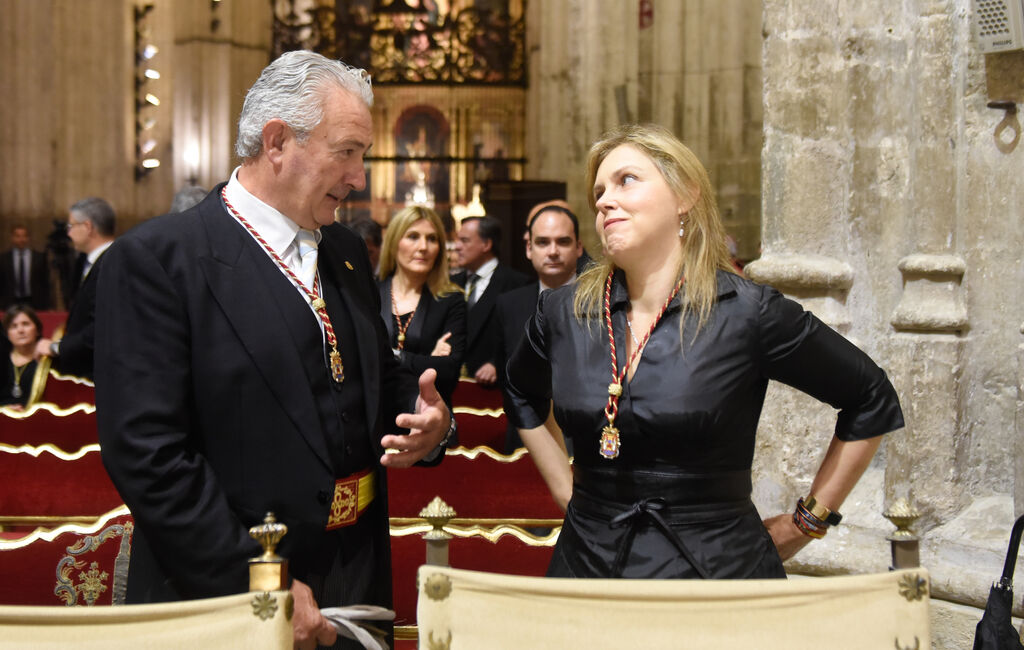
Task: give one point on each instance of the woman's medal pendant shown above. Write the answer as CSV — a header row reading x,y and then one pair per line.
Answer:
x,y
610,442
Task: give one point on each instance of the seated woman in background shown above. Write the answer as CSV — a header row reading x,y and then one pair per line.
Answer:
x,y
424,311
23,329
657,362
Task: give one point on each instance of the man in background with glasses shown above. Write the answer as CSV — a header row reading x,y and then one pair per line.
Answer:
x,y
91,224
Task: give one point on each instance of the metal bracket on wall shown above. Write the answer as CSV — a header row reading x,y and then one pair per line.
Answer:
x,y
1009,122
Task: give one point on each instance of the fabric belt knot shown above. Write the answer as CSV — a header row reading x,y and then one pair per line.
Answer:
x,y
651,508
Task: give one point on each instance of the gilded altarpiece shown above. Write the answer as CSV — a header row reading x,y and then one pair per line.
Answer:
x,y
449,91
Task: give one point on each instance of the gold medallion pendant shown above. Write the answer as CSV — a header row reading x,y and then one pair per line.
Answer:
x,y
610,442
337,367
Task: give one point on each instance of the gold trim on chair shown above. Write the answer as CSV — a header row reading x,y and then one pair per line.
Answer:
x,y
50,449
39,381
51,534
49,407
75,378
469,410
483,450
489,532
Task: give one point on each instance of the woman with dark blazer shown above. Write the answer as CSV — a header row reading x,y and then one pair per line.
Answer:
x,y
425,313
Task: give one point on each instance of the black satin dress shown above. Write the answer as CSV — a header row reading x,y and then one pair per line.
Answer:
x,y
676,501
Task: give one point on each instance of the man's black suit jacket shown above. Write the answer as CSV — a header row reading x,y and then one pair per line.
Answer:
x,y
207,416
433,318
482,331
77,347
39,280
511,314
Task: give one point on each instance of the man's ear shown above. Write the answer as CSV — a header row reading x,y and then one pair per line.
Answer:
x,y
488,244
275,135
529,249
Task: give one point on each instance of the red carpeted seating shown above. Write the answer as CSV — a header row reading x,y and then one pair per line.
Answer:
x,y
41,481
470,393
480,427
72,565
70,429
477,483
52,320
66,392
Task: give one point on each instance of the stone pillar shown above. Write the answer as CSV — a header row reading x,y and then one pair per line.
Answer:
x,y
928,356
219,51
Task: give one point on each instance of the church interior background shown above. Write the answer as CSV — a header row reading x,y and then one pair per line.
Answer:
x,y
864,156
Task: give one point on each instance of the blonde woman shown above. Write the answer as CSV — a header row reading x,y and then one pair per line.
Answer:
x,y
657,363
424,311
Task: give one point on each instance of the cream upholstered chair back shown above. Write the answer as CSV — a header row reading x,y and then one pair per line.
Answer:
x,y
260,621
469,609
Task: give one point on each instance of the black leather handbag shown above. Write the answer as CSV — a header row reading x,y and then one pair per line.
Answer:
x,y
995,630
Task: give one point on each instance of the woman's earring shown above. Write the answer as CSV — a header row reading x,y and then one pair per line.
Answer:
x,y
682,230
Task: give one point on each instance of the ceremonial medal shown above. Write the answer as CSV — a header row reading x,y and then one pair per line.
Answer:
x,y
316,300
337,367
16,392
610,442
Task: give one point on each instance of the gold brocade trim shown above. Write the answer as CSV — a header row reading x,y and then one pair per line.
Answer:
x,y
491,534
93,582
51,534
50,449
50,408
469,410
82,381
483,450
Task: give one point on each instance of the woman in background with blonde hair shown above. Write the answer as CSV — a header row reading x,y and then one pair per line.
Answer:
x,y
657,363
425,313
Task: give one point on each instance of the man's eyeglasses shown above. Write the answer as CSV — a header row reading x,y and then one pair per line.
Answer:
x,y
72,224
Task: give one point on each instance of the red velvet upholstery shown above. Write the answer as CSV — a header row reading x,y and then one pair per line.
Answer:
x,y
470,393
47,485
69,429
481,430
33,572
508,554
66,393
480,487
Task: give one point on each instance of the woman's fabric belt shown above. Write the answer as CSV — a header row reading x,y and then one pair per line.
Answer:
x,y
625,497
352,496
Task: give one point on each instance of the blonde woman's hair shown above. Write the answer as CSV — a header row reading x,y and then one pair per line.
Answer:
x,y
437,279
703,246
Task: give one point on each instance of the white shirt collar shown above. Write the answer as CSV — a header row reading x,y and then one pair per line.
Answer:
x,y
274,226
544,286
93,255
486,269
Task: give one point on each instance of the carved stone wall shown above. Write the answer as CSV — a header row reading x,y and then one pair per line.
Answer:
x,y
892,209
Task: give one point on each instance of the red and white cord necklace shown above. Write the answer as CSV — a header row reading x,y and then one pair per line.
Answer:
x,y
337,367
610,442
